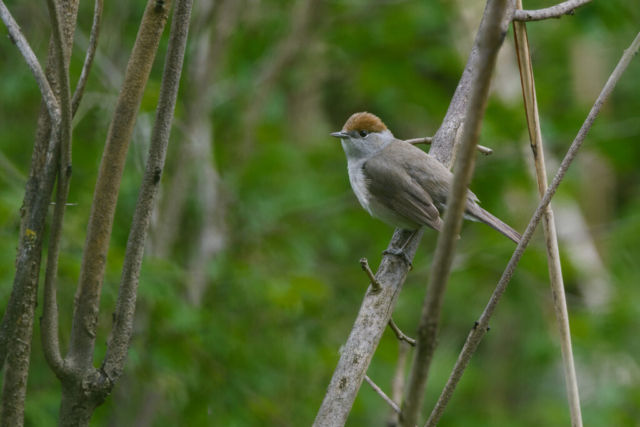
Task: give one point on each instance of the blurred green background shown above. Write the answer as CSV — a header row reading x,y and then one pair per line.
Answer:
x,y
251,281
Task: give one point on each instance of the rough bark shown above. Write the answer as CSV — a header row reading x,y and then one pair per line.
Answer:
x,y
17,324
84,387
85,319
118,344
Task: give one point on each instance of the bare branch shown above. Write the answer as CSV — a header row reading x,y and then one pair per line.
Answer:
x,y
382,394
23,46
375,285
557,11
376,309
367,331
118,344
399,334
16,330
85,318
491,37
428,140
553,254
49,330
477,333
88,61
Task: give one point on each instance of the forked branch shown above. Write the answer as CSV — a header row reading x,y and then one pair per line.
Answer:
x,y
557,11
118,344
477,333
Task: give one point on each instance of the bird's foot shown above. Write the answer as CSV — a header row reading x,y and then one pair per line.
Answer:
x,y
399,253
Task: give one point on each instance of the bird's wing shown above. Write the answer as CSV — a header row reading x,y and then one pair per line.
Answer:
x,y
437,182
406,197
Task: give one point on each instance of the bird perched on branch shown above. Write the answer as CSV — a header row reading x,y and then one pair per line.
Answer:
x,y
401,184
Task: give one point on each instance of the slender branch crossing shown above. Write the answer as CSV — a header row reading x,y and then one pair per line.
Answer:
x,y
477,333
491,37
382,394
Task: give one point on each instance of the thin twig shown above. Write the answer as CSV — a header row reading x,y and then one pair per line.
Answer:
x,y
375,285
553,254
23,46
477,333
557,11
49,330
382,394
491,37
88,61
427,140
401,335
118,344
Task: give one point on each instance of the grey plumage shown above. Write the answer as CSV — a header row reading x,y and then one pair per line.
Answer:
x,y
418,197
401,184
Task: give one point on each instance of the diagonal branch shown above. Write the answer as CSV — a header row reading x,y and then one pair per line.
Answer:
x,y
49,320
88,61
382,394
553,254
19,40
557,11
401,335
376,309
491,37
118,344
477,333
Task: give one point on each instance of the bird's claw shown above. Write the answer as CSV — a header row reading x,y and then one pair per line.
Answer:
x,y
399,253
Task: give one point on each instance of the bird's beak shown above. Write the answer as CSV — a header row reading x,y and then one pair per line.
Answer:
x,y
341,135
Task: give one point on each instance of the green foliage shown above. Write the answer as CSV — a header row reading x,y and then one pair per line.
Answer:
x,y
260,346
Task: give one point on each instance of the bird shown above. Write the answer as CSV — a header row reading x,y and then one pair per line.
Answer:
x,y
400,184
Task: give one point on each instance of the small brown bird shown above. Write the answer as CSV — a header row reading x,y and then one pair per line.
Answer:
x,y
401,184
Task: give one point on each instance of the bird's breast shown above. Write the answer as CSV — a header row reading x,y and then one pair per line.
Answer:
x,y
359,184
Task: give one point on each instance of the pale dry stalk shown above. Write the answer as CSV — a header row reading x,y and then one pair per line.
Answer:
x,y
551,238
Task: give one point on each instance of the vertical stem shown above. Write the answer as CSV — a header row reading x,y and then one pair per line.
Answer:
x,y
118,344
85,319
17,325
50,312
490,41
553,255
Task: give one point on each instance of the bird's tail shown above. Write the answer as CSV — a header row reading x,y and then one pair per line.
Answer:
x,y
479,214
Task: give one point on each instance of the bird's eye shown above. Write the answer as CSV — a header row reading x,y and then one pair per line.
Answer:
x,y
363,133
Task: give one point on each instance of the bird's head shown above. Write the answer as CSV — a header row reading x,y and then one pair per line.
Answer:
x,y
363,134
